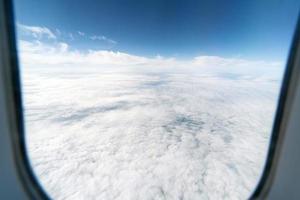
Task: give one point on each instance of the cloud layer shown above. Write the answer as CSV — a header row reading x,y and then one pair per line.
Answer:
x,y
40,53
100,126
134,136
34,53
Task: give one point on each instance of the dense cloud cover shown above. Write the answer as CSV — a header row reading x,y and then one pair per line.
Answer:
x,y
104,124
95,135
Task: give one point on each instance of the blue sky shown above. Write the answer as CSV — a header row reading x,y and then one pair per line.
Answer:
x,y
184,29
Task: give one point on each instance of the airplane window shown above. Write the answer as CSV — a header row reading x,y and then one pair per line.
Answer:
x,y
151,99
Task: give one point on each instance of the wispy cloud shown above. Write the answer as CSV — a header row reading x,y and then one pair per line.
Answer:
x,y
71,36
57,32
59,53
41,32
37,31
37,53
81,33
102,38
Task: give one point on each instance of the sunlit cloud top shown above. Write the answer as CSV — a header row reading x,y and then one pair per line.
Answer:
x,y
43,47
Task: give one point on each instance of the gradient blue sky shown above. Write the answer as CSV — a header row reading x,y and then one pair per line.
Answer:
x,y
255,29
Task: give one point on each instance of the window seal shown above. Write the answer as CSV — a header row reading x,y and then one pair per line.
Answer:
x,y
13,99
283,110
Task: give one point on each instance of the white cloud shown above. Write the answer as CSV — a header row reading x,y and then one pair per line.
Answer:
x,y
103,38
36,31
145,136
37,53
59,54
95,37
223,62
40,33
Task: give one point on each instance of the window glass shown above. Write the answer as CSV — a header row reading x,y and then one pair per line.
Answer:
x,y
151,99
